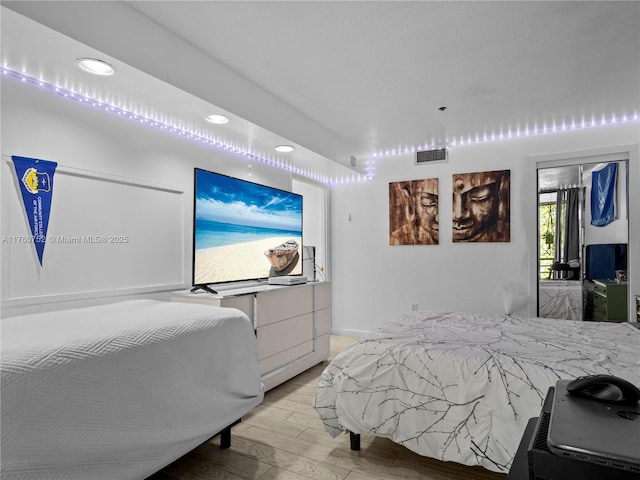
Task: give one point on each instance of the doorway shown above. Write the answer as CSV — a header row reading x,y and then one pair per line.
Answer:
x,y
578,255
560,242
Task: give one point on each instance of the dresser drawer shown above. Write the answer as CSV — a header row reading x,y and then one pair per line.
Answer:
x,y
600,310
600,290
277,305
280,336
610,301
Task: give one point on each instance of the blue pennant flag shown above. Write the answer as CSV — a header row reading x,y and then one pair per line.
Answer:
x,y
35,178
603,191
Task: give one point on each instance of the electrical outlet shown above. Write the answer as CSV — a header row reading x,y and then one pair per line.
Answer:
x,y
414,307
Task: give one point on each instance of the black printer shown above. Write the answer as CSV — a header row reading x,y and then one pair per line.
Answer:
x,y
576,437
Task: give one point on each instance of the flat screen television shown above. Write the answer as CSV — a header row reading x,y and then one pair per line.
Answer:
x,y
243,230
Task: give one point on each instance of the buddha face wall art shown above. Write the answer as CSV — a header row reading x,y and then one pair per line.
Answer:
x,y
413,212
481,207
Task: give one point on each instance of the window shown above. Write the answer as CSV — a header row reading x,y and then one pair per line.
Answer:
x,y
314,224
547,231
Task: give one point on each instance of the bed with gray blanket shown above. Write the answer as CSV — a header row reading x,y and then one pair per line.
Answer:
x,y
119,391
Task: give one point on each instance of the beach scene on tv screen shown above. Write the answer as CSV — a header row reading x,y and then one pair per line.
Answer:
x,y
244,230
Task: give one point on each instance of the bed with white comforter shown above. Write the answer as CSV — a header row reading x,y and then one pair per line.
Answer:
x,y
461,387
119,391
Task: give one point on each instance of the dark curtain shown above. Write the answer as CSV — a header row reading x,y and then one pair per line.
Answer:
x,y
567,225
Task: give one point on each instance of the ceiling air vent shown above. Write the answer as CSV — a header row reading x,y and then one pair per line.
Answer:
x,y
428,156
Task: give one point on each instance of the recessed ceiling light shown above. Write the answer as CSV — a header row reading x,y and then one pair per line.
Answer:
x,y
217,119
285,148
95,66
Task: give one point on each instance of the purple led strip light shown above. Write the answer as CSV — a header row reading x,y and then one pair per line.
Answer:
x,y
183,133
470,140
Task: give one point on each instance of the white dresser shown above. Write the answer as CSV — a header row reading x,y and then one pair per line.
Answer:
x,y
292,324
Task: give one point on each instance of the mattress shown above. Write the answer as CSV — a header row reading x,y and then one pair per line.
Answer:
x,y
561,299
119,391
461,387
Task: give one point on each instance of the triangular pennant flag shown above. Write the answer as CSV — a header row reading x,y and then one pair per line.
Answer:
x,y
35,178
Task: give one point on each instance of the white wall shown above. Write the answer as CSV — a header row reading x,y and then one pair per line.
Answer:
x,y
314,223
373,281
121,168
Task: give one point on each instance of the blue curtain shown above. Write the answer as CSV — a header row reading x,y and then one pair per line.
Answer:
x,y
602,260
603,192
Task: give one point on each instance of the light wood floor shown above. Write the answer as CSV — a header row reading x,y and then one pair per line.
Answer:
x,y
283,439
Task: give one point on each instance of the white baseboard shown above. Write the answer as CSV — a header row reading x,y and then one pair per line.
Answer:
x,y
347,332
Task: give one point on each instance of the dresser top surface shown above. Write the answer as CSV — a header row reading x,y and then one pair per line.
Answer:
x,y
609,283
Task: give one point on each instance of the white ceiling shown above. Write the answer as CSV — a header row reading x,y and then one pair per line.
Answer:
x,y
342,79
